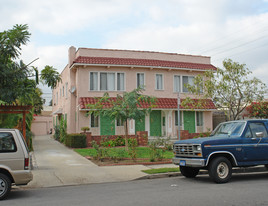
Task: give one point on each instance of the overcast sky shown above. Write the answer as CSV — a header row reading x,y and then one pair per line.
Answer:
x,y
236,29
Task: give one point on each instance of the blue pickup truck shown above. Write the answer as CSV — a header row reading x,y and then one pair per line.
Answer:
x,y
231,144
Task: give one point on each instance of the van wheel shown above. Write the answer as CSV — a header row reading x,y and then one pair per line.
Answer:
x,y
5,186
189,172
220,170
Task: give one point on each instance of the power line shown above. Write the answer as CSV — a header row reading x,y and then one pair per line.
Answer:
x,y
241,45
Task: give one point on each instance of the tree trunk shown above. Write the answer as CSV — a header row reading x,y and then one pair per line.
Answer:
x,y
126,135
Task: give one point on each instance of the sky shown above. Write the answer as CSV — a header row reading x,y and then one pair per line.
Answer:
x,y
221,29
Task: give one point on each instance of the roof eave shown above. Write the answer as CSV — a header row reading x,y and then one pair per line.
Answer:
x,y
138,66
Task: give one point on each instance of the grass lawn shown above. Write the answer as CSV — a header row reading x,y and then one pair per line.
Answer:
x,y
161,170
142,152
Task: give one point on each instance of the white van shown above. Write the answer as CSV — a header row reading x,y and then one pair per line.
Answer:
x,y
14,161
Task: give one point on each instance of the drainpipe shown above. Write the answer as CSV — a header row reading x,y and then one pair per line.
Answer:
x,y
179,128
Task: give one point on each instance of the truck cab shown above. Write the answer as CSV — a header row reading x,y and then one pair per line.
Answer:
x,y
240,143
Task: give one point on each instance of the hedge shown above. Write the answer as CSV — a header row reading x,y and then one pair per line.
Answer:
x,y
75,140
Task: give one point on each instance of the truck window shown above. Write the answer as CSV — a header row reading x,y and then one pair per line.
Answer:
x,y
256,127
7,142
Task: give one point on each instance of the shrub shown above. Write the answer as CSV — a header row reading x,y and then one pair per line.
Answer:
x,y
84,129
132,150
75,140
57,132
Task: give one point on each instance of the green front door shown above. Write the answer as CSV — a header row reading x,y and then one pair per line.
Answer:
x,y
189,121
155,123
107,126
140,124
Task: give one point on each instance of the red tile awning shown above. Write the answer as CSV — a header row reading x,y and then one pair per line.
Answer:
x,y
161,103
141,62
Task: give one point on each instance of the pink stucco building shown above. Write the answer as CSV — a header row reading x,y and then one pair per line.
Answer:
x,y
92,72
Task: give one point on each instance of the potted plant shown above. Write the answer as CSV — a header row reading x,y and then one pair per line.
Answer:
x,y
85,129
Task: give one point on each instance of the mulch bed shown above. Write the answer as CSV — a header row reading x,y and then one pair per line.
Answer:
x,y
128,161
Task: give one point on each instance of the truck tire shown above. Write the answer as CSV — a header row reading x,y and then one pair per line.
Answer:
x,y
220,170
5,186
189,172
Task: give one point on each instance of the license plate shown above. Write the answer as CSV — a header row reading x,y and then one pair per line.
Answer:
x,y
182,163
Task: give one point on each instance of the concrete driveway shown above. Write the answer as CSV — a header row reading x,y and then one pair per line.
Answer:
x,y
56,165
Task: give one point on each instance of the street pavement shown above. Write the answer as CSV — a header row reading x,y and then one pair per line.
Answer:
x,y
56,165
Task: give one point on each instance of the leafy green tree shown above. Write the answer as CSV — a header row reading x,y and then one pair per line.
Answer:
x,y
16,84
14,76
50,76
124,107
231,88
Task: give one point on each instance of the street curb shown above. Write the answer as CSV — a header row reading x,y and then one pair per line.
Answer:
x,y
203,172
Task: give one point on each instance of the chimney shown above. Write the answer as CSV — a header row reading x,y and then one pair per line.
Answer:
x,y
72,51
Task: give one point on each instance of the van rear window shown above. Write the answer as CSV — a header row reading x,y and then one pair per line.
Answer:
x,y
7,142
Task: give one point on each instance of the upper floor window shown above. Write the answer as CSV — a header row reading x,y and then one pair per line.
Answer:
x,y
63,91
120,81
189,80
177,83
140,80
66,87
107,81
185,81
159,82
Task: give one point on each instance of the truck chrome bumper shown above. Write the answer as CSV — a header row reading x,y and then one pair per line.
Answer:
x,y
191,162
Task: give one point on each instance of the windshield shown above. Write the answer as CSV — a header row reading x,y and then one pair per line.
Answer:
x,y
229,129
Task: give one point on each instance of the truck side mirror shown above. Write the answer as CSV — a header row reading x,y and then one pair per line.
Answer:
x,y
259,134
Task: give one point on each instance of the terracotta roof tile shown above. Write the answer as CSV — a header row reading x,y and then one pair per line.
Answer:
x,y
161,103
142,62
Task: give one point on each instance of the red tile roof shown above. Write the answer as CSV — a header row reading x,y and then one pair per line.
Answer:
x,y
142,62
161,103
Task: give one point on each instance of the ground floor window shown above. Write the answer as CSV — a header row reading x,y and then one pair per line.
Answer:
x,y
199,118
94,120
176,118
119,122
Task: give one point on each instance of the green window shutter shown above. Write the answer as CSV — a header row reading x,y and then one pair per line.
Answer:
x,y
140,124
189,121
155,123
107,125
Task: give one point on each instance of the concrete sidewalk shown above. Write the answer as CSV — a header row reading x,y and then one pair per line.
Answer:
x,y
56,165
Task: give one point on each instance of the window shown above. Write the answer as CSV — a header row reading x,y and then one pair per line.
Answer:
x,y
159,82
119,122
185,81
93,81
63,91
57,98
177,83
106,81
7,143
176,118
199,118
120,81
66,87
60,93
94,120
258,127
140,80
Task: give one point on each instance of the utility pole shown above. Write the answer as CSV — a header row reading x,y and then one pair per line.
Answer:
x,y
179,128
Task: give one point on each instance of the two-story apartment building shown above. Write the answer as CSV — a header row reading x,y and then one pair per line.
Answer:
x,y
92,72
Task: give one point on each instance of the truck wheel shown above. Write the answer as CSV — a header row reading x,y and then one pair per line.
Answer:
x,y
5,186
220,170
189,172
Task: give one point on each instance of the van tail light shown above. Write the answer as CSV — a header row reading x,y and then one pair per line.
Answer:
x,y
26,163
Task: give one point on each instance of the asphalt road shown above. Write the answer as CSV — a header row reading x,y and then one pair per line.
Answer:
x,y
243,189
